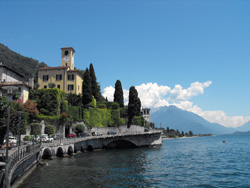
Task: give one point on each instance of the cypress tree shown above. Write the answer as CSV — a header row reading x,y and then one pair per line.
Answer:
x,y
118,95
94,85
86,89
134,105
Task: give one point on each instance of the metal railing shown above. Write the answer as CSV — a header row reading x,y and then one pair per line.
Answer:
x,y
21,153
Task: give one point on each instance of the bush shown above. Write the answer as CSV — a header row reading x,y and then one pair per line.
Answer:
x,y
64,106
36,129
52,85
79,128
49,129
115,105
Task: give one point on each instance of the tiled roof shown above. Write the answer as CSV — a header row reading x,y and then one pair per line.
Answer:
x,y
2,65
53,68
68,47
14,84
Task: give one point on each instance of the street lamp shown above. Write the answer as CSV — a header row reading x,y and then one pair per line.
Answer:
x,y
10,90
18,130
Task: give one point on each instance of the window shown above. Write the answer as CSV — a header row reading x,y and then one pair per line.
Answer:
x,y
45,86
45,78
58,86
70,87
71,76
58,77
66,52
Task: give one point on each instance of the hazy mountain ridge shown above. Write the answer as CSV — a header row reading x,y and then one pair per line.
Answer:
x,y
175,118
244,128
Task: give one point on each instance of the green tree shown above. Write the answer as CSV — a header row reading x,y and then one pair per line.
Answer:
x,y
31,110
177,132
3,116
167,130
86,89
74,99
35,129
94,85
18,118
49,129
52,85
134,105
190,133
118,95
182,133
79,128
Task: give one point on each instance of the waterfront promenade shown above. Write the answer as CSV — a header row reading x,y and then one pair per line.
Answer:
x,y
23,158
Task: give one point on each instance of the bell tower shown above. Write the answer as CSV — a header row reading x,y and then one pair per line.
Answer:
x,y
68,57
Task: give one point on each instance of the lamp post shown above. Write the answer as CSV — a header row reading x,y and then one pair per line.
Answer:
x,y
10,90
18,130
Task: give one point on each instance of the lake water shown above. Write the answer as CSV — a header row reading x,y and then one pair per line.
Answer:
x,y
192,162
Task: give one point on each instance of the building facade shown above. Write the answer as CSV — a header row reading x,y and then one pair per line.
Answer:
x,y
63,77
8,75
146,114
11,79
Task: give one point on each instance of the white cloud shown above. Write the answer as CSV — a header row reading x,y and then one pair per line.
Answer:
x,y
109,93
152,95
196,88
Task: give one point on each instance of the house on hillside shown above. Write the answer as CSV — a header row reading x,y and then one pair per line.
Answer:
x,y
63,77
11,79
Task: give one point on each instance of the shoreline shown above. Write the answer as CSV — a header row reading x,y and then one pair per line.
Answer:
x,y
184,137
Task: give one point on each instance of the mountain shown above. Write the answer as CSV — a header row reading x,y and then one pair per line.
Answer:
x,y
25,66
241,133
244,128
175,118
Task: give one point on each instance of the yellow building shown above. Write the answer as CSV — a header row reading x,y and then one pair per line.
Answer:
x,y
64,77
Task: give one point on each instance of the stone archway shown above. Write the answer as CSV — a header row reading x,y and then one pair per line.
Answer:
x,y
59,152
70,150
82,149
120,144
47,154
90,148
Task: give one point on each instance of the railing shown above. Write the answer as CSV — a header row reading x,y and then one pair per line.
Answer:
x,y
18,156
78,139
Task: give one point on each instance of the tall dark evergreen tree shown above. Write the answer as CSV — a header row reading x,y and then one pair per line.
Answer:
x,y
86,89
118,95
94,85
134,105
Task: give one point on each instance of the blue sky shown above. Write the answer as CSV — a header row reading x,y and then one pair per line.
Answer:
x,y
147,44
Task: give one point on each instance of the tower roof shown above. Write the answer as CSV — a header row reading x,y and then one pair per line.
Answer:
x,y
68,47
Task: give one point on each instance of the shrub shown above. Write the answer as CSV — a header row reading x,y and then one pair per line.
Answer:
x,y
35,129
49,129
52,85
80,128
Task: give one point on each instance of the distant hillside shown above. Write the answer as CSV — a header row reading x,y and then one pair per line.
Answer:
x,y
23,65
175,118
245,127
241,133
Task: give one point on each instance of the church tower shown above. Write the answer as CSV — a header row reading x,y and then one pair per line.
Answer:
x,y
68,57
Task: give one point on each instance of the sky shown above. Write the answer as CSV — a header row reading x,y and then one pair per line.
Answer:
x,y
194,54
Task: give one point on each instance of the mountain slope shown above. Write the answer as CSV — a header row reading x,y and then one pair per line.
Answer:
x,y
23,65
175,118
245,127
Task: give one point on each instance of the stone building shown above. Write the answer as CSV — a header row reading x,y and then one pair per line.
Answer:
x,y
11,79
63,77
146,114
